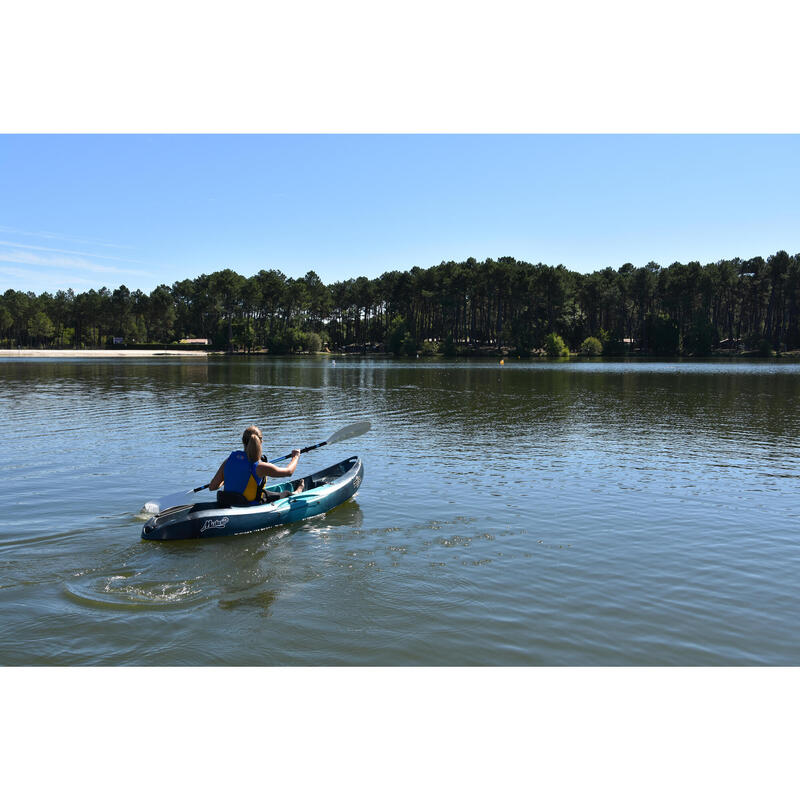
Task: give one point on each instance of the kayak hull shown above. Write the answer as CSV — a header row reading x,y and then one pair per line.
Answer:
x,y
323,491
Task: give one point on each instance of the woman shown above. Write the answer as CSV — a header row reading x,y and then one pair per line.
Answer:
x,y
243,472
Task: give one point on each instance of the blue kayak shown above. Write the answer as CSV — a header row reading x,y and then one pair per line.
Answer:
x,y
323,491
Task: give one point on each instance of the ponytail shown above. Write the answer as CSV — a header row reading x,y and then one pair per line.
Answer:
x,y
251,439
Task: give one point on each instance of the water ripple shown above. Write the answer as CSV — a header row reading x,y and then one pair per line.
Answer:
x,y
575,513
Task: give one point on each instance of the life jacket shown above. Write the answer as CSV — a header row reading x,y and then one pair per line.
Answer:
x,y
241,477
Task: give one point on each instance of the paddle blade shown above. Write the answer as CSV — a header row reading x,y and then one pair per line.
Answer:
x,y
177,499
349,431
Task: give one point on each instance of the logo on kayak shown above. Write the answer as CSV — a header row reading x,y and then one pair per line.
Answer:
x,y
214,523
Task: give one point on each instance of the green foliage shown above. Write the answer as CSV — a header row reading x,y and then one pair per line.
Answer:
x,y
612,344
520,334
289,340
409,346
591,346
312,342
470,307
765,348
244,335
396,335
162,315
429,348
701,338
137,330
555,347
665,335
6,321
219,336
40,327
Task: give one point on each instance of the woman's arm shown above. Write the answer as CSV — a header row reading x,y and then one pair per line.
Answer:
x,y
264,469
218,479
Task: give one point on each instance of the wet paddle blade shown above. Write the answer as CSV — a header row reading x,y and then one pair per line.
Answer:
x,y
349,431
177,499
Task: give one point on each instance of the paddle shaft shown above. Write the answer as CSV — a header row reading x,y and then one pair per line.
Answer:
x,y
304,450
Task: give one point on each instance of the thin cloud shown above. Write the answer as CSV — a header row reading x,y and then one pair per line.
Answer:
x,y
27,280
61,237
17,273
68,252
61,262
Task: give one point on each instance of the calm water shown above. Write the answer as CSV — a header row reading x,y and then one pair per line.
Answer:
x,y
530,514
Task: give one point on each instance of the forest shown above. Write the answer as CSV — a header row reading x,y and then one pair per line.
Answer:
x,y
454,308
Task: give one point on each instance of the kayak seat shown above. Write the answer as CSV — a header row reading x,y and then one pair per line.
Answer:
x,y
230,499
233,499
270,497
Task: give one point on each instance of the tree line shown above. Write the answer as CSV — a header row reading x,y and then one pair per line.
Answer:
x,y
454,307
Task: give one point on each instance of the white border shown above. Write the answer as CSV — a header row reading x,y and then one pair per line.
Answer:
x,y
433,66
400,733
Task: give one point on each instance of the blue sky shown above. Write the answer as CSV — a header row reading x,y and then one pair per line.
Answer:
x,y
85,211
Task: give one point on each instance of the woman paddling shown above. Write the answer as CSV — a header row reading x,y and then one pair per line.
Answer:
x,y
244,473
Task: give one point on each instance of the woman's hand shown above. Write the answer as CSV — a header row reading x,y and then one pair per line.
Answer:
x,y
279,472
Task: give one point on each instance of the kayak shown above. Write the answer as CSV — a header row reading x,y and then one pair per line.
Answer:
x,y
323,491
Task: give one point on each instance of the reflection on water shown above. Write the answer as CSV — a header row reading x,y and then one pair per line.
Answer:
x,y
531,513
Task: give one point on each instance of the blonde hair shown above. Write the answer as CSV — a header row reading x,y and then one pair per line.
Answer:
x,y
251,439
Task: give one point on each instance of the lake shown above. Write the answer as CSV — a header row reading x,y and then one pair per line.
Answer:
x,y
534,513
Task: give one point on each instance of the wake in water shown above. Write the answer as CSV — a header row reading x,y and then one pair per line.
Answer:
x,y
149,509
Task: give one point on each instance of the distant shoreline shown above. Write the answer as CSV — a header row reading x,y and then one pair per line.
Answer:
x,y
99,353
472,356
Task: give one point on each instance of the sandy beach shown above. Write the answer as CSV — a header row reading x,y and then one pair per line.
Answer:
x,y
100,353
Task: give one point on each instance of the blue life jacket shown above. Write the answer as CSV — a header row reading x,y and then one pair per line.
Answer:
x,y
241,477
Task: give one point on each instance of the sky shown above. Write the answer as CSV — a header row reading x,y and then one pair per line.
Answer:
x,y
86,211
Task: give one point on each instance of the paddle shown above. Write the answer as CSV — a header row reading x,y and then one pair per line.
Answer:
x,y
348,432
184,498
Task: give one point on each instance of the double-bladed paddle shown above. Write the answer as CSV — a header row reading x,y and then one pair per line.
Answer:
x,y
348,432
184,498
